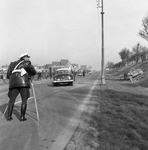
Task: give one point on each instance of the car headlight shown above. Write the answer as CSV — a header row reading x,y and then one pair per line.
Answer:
x,y
55,79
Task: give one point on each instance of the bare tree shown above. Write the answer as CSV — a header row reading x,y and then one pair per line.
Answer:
x,y
143,54
109,64
144,33
89,67
137,51
124,55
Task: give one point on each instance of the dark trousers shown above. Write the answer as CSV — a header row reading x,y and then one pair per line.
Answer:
x,y
13,93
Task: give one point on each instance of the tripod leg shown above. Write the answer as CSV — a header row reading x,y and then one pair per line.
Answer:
x,y
5,112
34,96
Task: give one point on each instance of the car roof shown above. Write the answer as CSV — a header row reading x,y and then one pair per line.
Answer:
x,y
63,69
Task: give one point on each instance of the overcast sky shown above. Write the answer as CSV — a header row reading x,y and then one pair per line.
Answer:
x,y
51,30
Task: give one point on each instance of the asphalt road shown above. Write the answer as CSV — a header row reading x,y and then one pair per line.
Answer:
x,y
59,109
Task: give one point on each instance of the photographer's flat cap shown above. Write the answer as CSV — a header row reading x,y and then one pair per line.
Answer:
x,y
24,55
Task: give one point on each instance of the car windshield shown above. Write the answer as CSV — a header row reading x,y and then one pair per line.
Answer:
x,y
63,71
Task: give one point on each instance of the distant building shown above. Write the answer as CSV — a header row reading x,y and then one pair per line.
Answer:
x,y
61,63
47,67
83,67
56,63
65,62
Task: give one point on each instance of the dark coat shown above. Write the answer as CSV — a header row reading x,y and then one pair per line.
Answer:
x,y
15,78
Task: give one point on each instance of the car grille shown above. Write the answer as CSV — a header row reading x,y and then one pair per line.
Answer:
x,y
62,78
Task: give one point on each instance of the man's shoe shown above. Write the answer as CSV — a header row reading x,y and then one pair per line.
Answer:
x,y
9,118
22,118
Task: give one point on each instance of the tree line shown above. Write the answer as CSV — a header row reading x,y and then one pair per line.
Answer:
x,y
138,52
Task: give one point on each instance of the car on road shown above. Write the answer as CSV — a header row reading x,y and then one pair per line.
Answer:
x,y
63,76
79,73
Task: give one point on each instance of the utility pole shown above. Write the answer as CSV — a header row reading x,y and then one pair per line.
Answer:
x,y
102,28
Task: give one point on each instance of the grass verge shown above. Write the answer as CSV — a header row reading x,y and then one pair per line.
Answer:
x,y
115,120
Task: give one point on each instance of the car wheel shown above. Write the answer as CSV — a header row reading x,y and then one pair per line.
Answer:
x,y
55,84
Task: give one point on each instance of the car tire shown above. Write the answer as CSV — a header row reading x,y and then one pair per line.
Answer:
x,y
55,84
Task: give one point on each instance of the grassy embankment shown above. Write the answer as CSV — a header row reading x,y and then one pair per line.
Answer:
x,y
117,117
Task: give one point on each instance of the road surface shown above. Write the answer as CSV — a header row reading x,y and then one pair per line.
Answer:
x,y
59,108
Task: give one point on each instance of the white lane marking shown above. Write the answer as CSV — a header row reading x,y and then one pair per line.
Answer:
x,y
87,99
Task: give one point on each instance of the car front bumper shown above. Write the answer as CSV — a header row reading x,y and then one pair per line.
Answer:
x,y
62,81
